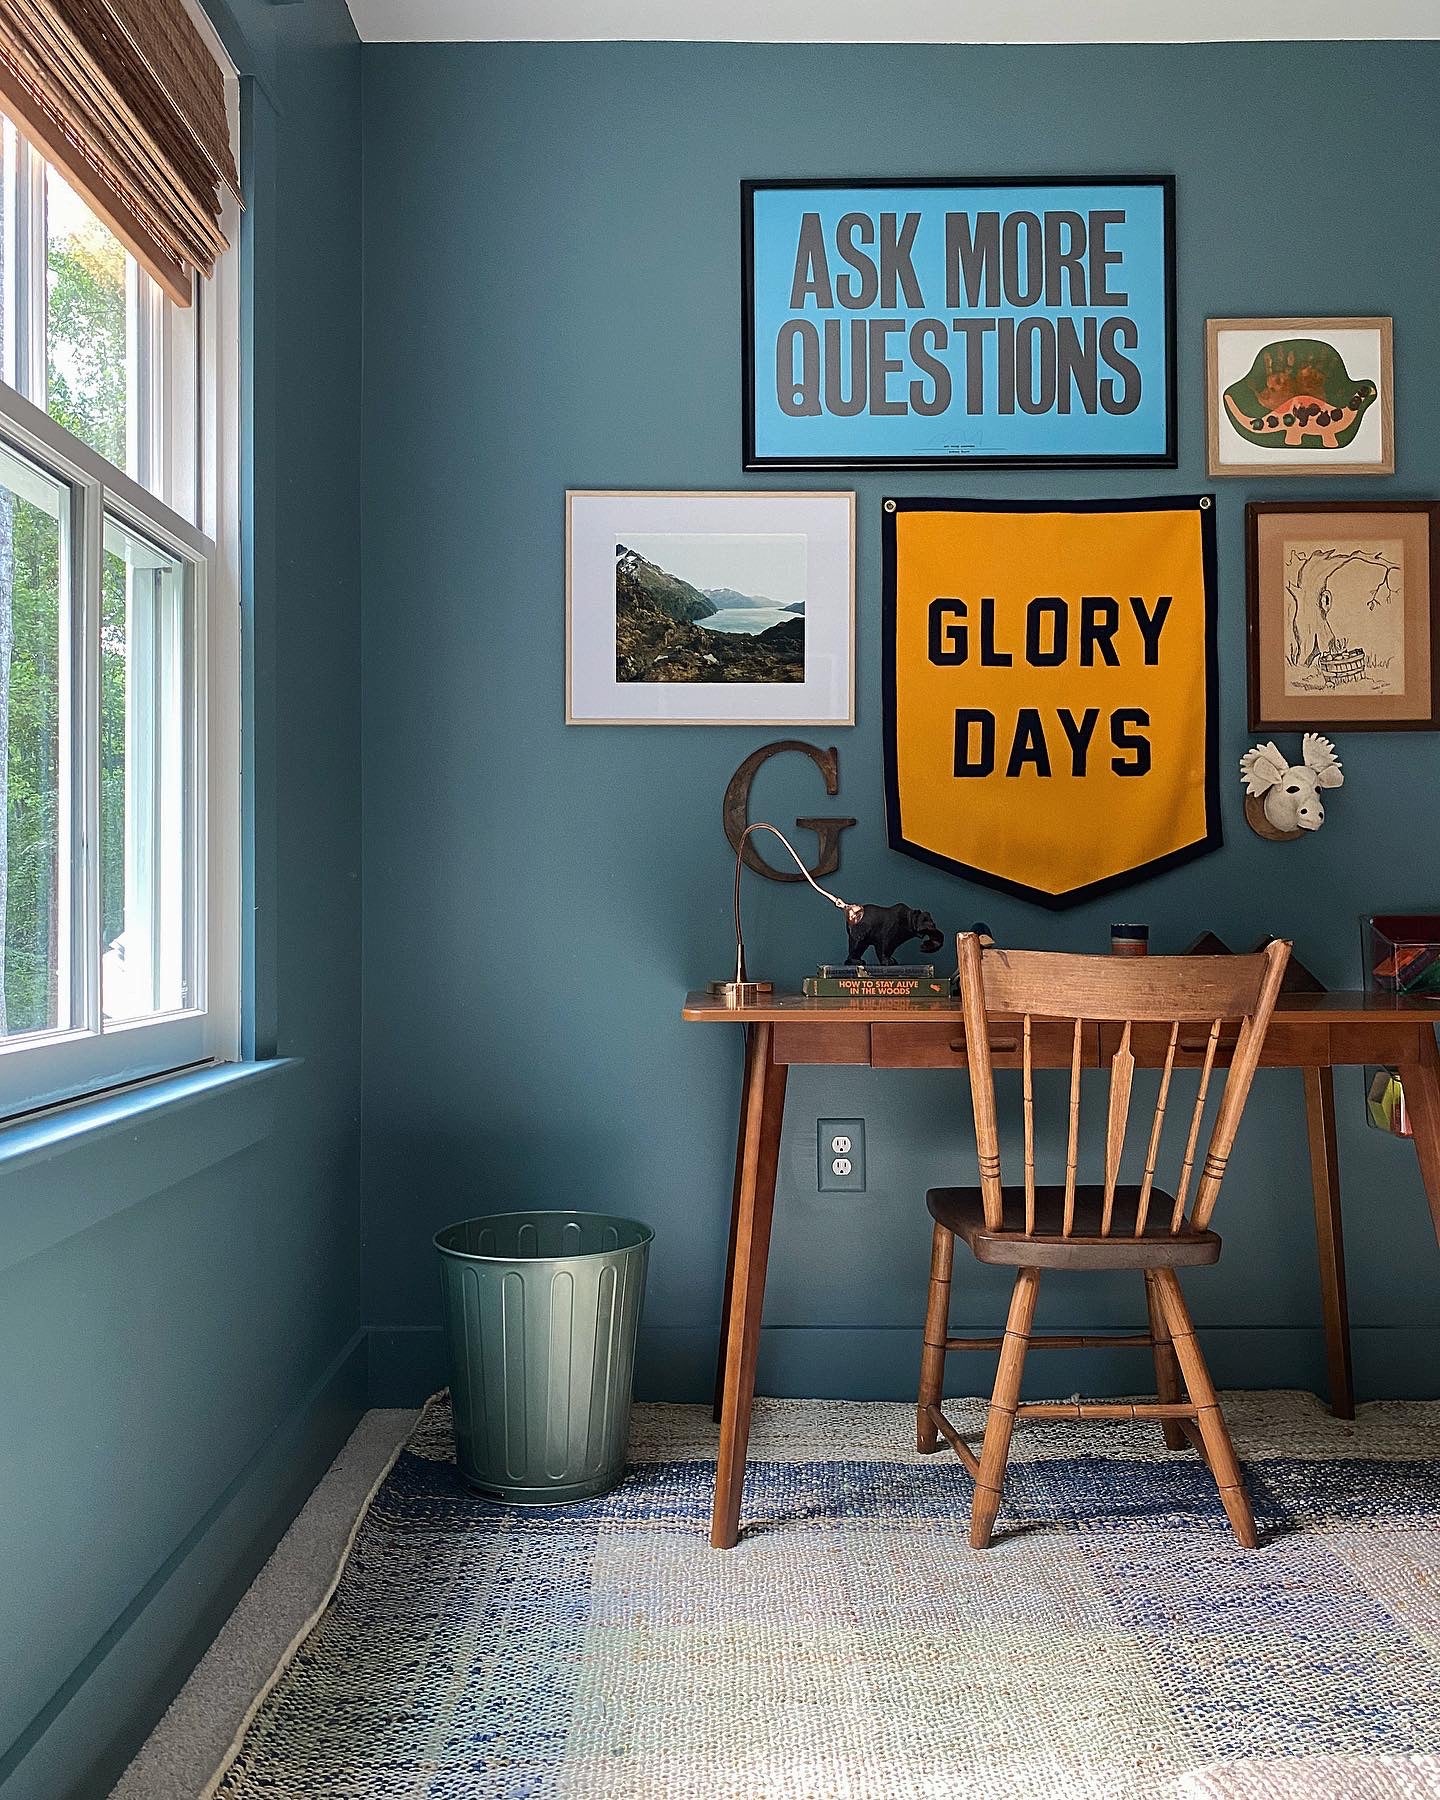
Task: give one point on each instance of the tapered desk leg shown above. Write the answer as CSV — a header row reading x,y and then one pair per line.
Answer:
x,y
1421,1081
723,1344
764,1111
1329,1237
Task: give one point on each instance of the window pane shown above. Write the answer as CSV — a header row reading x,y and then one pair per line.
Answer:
x,y
34,748
147,852
88,330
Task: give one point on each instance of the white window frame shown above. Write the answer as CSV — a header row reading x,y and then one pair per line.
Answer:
x,y
192,373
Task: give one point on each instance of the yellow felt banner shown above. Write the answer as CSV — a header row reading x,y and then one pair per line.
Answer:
x,y
1049,687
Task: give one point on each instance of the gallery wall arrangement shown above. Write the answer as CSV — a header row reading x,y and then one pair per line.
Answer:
x,y
1049,669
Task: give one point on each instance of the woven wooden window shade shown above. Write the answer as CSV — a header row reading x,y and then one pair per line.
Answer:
x,y
125,98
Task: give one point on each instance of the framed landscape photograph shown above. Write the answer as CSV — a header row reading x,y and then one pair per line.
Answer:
x,y
1299,397
1342,615
709,608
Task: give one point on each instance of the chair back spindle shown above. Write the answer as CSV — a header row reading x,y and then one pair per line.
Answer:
x,y
1157,1126
987,1134
1072,1150
1122,1076
1175,992
1029,1064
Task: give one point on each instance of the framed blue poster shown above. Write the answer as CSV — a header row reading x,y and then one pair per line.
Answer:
x,y
921,324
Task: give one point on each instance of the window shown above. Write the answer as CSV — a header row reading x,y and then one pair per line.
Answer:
x,y
119,654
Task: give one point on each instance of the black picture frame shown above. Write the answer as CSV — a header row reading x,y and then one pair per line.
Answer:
x,y
751,461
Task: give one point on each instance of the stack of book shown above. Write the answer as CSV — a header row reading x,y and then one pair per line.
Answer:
x,y
863,981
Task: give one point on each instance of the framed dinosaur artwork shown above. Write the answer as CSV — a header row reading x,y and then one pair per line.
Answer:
x,y
1299,397
1342,613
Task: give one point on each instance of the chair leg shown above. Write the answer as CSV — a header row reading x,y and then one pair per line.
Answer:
x,y
1167,1378
1211,1421
1000,1421
937,1327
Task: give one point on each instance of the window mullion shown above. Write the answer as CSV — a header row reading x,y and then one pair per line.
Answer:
x,y
32,261
147,384
137,408
142,760
196,649
13,150
85,908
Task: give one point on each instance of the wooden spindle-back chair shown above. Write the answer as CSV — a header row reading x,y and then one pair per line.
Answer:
x,y
1180,1006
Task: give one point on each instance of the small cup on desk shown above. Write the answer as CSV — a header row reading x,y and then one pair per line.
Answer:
x,y
1129,940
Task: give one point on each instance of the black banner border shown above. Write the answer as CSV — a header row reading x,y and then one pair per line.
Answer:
x,y
1204,504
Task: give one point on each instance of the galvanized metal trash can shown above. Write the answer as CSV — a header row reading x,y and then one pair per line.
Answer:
x,y
541,1312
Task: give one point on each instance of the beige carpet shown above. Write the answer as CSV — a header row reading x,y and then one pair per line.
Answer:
x,y
189,1743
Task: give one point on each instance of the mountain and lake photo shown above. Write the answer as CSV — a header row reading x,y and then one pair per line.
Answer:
x,y
710,607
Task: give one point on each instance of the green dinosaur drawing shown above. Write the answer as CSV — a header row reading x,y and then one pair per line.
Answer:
x,y
1298,395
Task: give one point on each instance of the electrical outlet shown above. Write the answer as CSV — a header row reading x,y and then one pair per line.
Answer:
x,y
840,1147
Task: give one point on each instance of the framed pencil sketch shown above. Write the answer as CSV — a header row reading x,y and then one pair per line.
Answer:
x,y
709,608
1342,613
1299,397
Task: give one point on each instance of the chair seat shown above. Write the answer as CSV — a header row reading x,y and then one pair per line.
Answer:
x,y
962,1210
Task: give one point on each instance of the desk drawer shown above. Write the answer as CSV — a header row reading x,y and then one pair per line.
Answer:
x,y
822,1041
1149,1043
1287,1045
927,1045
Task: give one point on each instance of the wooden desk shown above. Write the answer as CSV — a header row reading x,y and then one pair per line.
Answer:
x,y
1314,1033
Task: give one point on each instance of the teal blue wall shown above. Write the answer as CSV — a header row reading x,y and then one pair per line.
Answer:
x,y
551,300
174,1377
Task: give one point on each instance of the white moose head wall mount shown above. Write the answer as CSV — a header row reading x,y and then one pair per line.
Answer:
x,y
1282,799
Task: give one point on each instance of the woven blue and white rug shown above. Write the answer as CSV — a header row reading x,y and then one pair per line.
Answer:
x,y
1115,1644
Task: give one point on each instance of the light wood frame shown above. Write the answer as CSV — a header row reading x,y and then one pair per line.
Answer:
x,y
797,494
1299,464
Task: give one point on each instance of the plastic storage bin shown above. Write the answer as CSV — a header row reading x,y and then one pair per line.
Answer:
x,y
1401,955
541,1314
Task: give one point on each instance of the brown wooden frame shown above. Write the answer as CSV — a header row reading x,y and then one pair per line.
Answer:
x,y
1316,716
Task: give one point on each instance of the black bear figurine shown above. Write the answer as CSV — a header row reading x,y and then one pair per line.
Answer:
x,y
886,928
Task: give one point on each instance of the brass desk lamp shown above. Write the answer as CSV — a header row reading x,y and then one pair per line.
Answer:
x,y
741,990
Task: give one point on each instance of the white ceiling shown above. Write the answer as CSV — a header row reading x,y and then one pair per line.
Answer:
x,y
891,21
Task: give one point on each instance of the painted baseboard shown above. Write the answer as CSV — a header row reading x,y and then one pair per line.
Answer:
x,y
79,1743
849,1363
